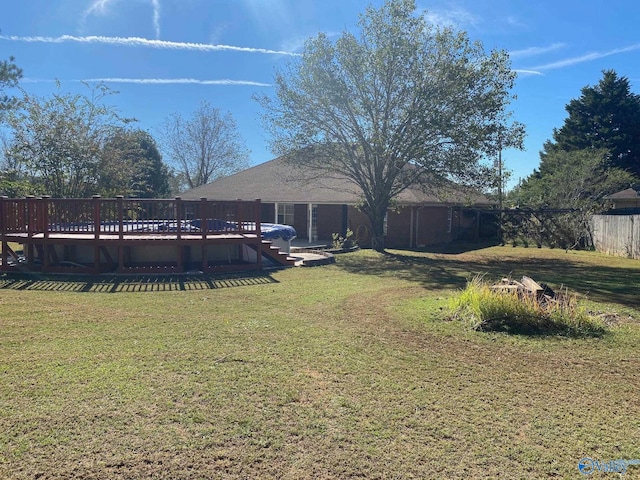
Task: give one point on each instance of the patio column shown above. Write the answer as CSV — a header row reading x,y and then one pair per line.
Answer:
x,y
310,222
275,213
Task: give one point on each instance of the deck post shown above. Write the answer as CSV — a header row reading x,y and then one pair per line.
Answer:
x,y
42,216
96,233
30,215
120,204
240,217
3,230
257,219
178,206
29,219
179,247
203,228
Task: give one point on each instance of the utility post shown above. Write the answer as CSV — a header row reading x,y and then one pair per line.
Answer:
x,y
500,193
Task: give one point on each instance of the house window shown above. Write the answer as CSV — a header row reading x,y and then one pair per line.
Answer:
x,y
285,213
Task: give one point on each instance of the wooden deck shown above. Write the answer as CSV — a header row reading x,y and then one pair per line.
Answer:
x,y
132,235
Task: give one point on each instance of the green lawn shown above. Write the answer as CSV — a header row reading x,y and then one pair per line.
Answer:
x,y
343,371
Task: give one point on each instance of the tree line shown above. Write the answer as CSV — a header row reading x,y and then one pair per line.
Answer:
x,y
595,153
77,145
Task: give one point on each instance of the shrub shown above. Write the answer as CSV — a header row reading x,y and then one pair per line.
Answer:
x,y
344,243
487,309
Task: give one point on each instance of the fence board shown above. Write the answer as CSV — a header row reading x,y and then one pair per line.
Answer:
x,y
617,235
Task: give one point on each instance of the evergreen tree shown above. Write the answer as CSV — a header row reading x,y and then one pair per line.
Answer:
x,y
606,116
131,165
9,76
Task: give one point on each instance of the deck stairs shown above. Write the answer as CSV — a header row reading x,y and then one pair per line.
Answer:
x,y
273,253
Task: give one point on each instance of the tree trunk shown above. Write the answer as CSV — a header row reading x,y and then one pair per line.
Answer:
x,y
377,230
377,242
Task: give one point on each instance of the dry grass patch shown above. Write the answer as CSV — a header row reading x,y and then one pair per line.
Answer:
x,y
490,308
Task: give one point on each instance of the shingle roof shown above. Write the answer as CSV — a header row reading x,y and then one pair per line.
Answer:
x,y
627,193
275,181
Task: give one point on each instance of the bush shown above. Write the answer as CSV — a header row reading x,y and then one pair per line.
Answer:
x,y
343,243
487,309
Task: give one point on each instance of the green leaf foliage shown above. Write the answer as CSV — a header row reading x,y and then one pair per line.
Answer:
x,y
10,74
57,141
577,181
399,104
605,116
132,166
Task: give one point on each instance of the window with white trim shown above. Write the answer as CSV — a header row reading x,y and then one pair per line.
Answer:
x,y
285,213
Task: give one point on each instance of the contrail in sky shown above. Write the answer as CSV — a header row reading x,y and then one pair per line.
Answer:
x,y
156,16
170,81
144,42
586,58
156,81
99,7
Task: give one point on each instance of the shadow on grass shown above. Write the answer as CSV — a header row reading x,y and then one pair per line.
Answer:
x,y
549,330
599,282
130,283
542,326
459,247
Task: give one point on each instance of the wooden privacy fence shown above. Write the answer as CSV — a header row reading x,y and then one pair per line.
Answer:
x,y
617,235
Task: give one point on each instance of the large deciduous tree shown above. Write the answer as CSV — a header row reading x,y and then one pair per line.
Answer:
x,y
204,147
606,116
402,103
58,140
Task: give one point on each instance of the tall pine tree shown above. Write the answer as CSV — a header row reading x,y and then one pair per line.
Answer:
x,y
606,116
9,76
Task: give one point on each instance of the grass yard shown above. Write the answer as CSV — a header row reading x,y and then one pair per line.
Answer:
x,y
344,371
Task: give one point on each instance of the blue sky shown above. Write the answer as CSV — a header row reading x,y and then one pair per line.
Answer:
x,y
165,56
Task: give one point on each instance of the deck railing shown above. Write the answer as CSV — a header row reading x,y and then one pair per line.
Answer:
x,y
127,216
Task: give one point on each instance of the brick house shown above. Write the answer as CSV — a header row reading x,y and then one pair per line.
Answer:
x,y
318,207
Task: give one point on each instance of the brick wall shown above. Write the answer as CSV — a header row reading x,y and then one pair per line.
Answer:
x,y
360,226
432,225
329,221
399,228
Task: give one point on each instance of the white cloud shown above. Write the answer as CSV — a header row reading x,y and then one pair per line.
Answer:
x,y
174,81
515,22
144,42
586,58
100,7
531,51
271,14
527,73
156,16
97,7
455,17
